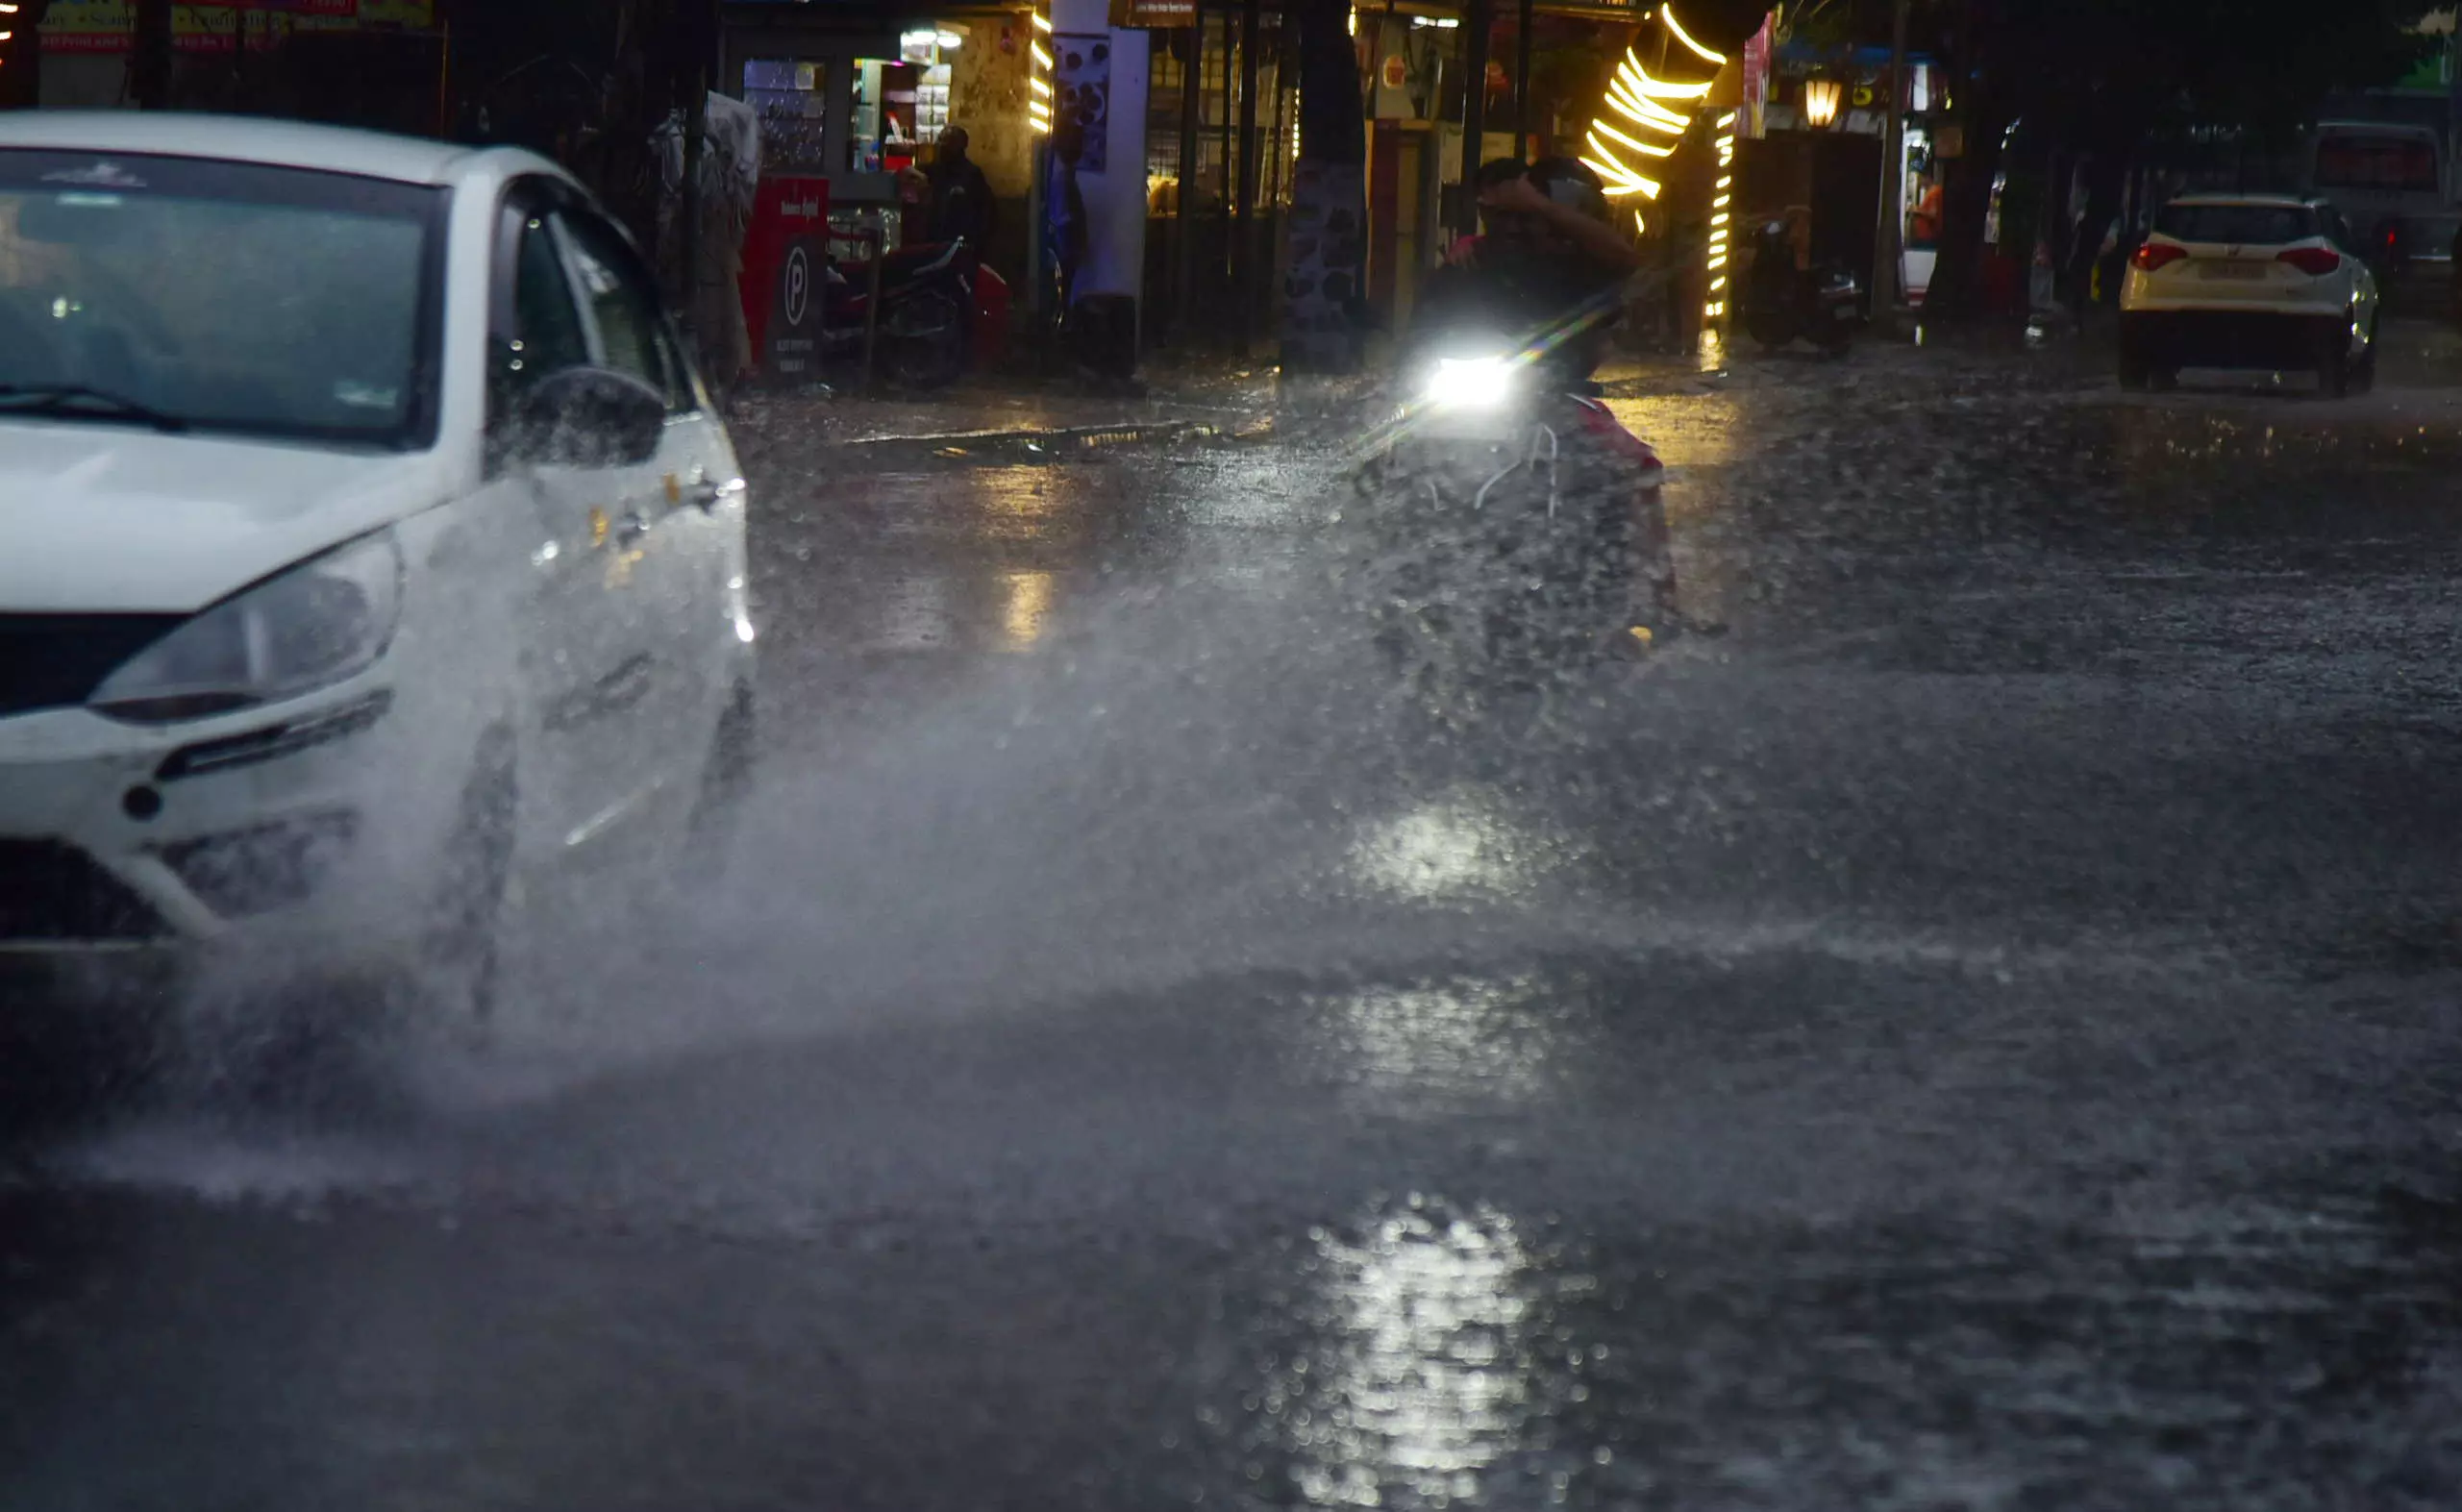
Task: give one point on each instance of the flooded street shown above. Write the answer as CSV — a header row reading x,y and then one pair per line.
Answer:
x,y
1971,1028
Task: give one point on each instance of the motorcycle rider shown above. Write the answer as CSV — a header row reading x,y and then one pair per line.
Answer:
x,y
1548,261
1552,266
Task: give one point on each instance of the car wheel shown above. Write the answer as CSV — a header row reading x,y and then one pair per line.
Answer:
x,y
725,779
461,959
2135,370
2334,365
2363,373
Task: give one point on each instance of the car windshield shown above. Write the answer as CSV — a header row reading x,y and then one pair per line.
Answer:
x,y
218,296
2246,225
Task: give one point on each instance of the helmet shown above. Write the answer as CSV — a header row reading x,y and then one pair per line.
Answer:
x,y
1568,181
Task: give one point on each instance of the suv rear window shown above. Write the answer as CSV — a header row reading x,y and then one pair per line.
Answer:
x,y
2244,224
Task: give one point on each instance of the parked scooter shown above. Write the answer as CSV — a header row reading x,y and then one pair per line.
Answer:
x,y
926,330
1781,301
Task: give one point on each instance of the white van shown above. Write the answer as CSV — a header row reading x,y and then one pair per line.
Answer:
x,y
2391,182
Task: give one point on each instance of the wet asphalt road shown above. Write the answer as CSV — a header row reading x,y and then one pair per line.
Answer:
x,y
1977,1034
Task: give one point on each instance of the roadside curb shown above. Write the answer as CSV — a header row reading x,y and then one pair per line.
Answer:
x,y
1058,440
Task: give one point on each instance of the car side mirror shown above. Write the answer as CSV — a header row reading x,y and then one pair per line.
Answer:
x,y
589,417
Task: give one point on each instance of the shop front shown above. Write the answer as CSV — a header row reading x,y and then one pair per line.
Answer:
x,y
860,96
1827,127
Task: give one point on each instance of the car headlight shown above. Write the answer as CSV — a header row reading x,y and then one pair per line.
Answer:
x,y
316,623
1475,383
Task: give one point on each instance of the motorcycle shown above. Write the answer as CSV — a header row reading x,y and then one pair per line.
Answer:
x,y
1783,302
1518,527
925,331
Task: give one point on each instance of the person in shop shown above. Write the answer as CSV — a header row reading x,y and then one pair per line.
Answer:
x,y
1924,226
960,197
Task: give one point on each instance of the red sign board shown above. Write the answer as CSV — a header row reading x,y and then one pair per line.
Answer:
x,y
1755,80
786,257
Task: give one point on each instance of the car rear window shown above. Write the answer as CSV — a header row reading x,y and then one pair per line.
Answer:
x,y
2258,224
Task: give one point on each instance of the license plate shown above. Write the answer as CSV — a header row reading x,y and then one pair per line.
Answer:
x,y
2231,270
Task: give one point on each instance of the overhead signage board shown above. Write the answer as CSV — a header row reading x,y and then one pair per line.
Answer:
x,y
104,26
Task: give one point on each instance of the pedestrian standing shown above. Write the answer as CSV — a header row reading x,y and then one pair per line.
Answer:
x,y
960,196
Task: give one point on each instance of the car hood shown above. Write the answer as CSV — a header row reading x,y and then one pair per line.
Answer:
x,y
110,518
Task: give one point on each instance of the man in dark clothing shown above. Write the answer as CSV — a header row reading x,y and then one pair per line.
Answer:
x,y
962,197
1549,267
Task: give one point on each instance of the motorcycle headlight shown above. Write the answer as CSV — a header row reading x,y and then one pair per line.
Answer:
x,y
1471,382
316,623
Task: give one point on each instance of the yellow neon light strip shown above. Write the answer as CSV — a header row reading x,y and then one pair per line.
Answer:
x,y
1631,109
1041,57
1621,181
1667,15
1664,89
1645,112
1042,22
1650,148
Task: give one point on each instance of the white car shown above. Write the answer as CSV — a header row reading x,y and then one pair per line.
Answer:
x,y
366,541
2249,281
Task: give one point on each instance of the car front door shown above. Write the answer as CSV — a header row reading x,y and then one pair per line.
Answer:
x,y
682,549
587,659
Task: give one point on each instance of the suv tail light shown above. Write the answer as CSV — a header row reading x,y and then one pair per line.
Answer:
x,y
2315,261
2154,255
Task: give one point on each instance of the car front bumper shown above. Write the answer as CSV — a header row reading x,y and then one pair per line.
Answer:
x,y
277,832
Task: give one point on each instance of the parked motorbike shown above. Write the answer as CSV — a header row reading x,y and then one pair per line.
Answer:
x,y
1517,526
1783,302
924,332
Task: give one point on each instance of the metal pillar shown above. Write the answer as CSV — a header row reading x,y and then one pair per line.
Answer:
x,y
1477,19
1244,229
1228,188
1893,172
1183,242
150,54
1522,122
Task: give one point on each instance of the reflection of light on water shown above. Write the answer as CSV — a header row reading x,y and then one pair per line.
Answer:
x,y
1693,433
1022,495
1428,1380
1468,1038
1440,849
1026,608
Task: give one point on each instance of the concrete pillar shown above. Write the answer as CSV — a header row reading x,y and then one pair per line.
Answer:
x,y
1115,197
